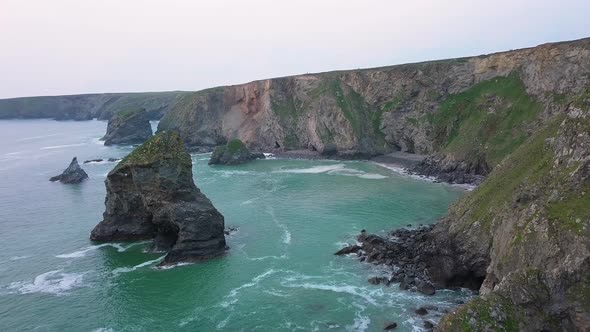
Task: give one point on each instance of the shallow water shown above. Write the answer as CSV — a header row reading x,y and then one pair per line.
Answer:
x,y
280,273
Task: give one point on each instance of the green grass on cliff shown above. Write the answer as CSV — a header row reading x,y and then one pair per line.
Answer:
x,y
235,145
128,113
164,145
490,118
527,165
482,314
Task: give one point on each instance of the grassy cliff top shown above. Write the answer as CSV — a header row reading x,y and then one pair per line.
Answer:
x,y
164,145
129,113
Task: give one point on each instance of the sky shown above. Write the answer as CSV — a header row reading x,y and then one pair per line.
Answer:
x,y
55,47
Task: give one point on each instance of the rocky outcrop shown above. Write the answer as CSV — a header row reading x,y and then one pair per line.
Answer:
x,y
233,153
151,195
128,127
522,238
73,174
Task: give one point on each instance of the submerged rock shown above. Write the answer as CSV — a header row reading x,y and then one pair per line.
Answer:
x,y
73,174
233,153
151,195
128,127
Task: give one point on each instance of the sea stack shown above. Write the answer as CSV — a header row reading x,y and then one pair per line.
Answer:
x,y
73,174
128,127
234,152
151,195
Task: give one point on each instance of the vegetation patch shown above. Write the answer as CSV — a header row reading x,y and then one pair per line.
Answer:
x,y
164,145
491,117
492,313
527,165
572,212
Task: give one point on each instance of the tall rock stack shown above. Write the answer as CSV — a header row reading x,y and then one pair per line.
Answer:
x,y
151,195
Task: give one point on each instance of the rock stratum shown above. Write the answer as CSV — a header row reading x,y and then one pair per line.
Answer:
x,y
151,195
128,127
73,174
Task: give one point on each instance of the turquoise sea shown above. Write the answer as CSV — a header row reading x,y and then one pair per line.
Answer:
x,y
280,273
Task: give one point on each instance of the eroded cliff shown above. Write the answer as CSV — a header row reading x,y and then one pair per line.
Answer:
x,y
469,113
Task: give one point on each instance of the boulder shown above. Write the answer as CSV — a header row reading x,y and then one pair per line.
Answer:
x,y
73,174
128,127
151,195
233,153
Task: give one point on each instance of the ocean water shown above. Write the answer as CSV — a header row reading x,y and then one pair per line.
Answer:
x,y
280,273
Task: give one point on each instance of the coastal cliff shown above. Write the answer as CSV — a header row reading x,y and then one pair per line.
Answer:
x,y
468,113
128,127
86,107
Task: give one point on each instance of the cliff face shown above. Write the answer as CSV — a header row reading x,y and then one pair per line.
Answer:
x,y
417,108
128,127
151,194
526,233
86,107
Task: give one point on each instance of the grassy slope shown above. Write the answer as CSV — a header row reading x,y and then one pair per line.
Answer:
x,y
490,118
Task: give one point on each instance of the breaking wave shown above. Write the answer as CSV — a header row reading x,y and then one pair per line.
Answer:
x,y
52,282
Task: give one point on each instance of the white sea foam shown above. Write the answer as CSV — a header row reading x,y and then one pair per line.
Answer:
x,y
82,252
37,137
103,329
269,156
62,146
283,256
286,238
335,169
138,266
16,258
352,290
171,266
312,170
361,323
52,282
404,172
231,298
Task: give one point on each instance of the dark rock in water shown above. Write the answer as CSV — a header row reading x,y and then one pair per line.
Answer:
x,y
374,280
425,287
113,159
73,174
151,194
92,161
448,170
230,230
428,324
421,311
348,250
233,153
390,326
128,127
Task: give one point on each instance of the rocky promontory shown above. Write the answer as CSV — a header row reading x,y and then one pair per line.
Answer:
x,y
521,239
73,174
151,195
233,153
128,127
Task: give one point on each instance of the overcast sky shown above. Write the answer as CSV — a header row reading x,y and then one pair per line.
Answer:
x,y
50,47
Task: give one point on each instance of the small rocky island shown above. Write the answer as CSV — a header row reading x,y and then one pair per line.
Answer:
x,y
73,174
151,195
128,127
234,152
